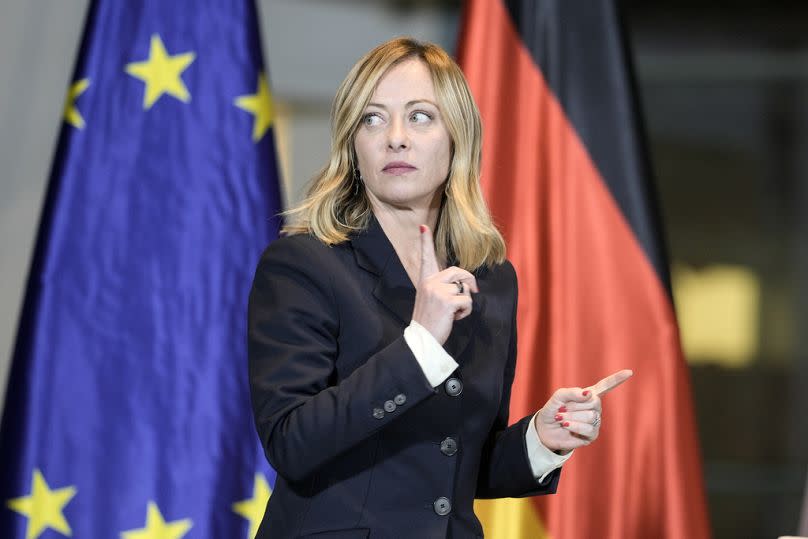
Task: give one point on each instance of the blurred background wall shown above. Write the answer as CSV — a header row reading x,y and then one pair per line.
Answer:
x,y
724,89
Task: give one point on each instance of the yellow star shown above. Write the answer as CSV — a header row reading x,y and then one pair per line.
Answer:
x,y
71,113
157,528
161,73
43,507
259,105
253,508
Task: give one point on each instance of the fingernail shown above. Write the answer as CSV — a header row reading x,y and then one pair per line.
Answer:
x,y
562,409
559,417
565,424
586,393
422,228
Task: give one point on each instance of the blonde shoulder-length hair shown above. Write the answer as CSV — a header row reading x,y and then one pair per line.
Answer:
x,y
336,205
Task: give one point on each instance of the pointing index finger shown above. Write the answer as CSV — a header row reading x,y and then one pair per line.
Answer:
x,y
611,382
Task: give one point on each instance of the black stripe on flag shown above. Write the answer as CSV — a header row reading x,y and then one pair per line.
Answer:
x,y
596,88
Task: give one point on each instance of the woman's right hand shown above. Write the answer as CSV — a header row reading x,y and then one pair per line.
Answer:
x,y
438,299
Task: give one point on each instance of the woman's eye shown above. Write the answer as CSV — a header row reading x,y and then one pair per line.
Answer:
x,y
371,119
420,117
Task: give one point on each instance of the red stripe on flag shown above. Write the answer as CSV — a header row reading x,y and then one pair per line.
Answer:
x,y
590,303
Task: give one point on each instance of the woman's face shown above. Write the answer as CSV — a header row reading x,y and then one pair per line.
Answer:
x,y
402,144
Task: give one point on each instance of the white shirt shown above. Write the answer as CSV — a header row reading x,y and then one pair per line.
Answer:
x,y
438,365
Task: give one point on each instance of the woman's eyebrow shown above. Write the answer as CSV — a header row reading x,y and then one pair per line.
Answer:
x,y
407,105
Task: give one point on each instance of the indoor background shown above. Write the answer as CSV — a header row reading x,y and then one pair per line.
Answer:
x,y
724,89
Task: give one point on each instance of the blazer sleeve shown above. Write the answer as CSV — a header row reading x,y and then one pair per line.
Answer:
x,y
505,466
304,415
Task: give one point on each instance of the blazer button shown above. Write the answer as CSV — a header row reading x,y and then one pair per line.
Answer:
x,y
454,387
378,413
448,446
442,506
400,399
389,406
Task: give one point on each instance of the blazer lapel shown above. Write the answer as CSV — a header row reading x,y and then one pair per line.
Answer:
x,y
375,253
394,290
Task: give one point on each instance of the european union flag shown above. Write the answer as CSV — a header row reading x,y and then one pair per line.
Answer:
x,y
127,410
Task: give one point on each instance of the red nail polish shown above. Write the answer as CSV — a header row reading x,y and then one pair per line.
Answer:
x,y
565,424
562,409
586,393
422,228
559,417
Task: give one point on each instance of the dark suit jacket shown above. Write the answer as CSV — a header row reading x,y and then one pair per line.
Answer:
x,y
327,353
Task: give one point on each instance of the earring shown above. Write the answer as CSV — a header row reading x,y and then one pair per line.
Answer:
x,y
357,177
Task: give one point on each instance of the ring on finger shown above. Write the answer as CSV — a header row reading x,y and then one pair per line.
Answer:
x,y
596,420
460,286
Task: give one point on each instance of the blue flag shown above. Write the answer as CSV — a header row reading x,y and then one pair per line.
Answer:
x,y
127,411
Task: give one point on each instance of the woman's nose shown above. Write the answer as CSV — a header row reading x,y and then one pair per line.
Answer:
x,y
397,137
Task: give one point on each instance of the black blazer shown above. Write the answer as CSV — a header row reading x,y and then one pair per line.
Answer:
x,y
362,444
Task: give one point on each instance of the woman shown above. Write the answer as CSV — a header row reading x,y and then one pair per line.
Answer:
x,y
382,353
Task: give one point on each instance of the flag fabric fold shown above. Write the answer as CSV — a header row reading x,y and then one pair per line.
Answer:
x,y
127,412
567,179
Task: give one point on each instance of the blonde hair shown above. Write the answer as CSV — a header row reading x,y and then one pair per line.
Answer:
x,y
336,206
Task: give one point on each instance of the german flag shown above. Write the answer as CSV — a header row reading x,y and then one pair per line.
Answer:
x,y
567,178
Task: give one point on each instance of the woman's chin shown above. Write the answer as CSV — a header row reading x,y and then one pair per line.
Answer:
x,y
407,200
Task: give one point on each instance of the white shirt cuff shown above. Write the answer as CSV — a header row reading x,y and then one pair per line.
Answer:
x,y
542,460
433,359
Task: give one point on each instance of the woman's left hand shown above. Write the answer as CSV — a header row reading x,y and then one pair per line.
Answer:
x,y
572,416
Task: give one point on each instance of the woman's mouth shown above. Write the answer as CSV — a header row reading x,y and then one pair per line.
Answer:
x,y
398,167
